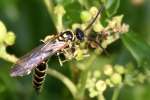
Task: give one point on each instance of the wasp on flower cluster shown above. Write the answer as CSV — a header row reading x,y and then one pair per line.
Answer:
x,y
37,59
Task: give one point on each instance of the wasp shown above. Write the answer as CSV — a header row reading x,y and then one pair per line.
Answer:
x,y
37,58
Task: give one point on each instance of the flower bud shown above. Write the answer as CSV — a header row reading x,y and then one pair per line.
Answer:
x,y
119,69
59,10
98,27
93,11
116,78
109,83
97,74
108,70
93,92
79,54
75,25
2,32
85,16
10,38
101,86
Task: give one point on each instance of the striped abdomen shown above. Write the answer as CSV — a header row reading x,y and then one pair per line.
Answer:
x,y
39,76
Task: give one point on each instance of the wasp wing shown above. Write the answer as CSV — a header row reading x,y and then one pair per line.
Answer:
x,y
32,59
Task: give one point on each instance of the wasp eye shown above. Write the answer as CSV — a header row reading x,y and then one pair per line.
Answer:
x,y
79,34
68,35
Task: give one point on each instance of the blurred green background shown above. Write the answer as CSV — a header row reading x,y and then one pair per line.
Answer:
x,y
30,21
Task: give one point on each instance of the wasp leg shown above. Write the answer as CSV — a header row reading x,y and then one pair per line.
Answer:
x,y
47,38
65,60
59,59
67,55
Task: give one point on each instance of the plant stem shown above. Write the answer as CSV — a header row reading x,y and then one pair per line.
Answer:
x,y
69,84
116,93
56,15
101,97
6,56
10,58
83,79
50,7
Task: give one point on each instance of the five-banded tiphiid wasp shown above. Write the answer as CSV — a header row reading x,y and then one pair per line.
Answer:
x,y
37,58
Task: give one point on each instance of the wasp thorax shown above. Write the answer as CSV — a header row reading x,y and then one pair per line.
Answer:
x,y
68,35
79,34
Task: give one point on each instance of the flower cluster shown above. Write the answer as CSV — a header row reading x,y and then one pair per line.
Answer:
x,y
6,39
99,80
105,35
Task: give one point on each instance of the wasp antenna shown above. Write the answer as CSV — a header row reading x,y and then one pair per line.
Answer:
x,y
98,13
104,50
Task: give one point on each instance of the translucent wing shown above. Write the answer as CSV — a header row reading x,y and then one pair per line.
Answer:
x,y
32,59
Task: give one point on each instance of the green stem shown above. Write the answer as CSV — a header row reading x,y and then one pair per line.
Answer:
x,y
83,79
101,97
60,23
10,58
6,56
56,17
116,93
50,7
69,84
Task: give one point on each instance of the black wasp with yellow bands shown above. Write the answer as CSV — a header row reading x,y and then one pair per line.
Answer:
x,y
37,59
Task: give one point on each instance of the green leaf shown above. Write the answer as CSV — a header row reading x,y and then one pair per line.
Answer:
x,y
139,49
112,7
72,15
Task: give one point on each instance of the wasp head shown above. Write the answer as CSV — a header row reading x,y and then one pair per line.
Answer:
x,y
79,34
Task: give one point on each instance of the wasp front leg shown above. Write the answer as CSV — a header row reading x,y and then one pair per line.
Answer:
x,y
66,54
48,38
